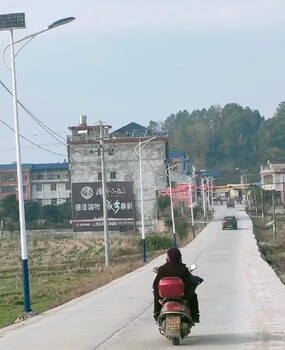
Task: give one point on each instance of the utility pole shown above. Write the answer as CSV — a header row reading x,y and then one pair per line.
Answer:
x,y
191,206
204,201
262,206
171,205
273,214
104,198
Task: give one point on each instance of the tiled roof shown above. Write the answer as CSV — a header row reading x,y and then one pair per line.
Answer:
x,y
129,129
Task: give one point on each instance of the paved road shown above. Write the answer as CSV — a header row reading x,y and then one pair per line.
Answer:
x,y
242,303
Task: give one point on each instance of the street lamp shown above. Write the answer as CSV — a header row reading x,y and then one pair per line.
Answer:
x,y
191,206
171,203
204,201
138,151
11,22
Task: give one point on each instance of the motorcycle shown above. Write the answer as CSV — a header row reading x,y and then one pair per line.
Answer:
x,y
174,319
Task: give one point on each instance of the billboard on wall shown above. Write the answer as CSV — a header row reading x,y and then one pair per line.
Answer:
x,y
87,206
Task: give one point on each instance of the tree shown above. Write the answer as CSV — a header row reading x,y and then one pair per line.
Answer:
x,y
65,213
10,207
32,211
50,213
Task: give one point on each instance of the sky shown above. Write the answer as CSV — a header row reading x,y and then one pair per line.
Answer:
x,y
123,61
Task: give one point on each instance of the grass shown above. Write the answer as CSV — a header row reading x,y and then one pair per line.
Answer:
x,y
63,267
272,248
59,270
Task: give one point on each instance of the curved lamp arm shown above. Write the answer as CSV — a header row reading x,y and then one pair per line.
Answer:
x,y
30,37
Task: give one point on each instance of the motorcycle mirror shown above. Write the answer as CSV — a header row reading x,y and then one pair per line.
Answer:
x,y
155,269
193,267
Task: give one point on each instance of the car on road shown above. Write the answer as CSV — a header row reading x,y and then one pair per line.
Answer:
x,y
230,204
230,222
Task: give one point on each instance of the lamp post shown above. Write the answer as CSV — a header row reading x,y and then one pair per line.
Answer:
x,y
138,151
11,22
208,198
172,210
191,206
273,214
171,204
204,201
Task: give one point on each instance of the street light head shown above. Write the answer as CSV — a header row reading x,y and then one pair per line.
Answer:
x,y
61,22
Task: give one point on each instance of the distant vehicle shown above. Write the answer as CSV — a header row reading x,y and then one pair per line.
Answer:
x,y
230,204
230,222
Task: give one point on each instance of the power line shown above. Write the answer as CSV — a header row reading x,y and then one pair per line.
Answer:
x,y
41,124
38,146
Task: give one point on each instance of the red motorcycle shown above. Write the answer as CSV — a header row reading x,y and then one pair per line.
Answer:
x,y
174,320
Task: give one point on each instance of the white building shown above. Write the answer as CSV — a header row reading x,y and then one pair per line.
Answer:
x,y
273,178
50,183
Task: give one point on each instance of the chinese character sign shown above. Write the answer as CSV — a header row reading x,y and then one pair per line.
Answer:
x,y
87,206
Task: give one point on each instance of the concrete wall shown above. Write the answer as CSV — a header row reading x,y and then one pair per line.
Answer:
x,y
85,164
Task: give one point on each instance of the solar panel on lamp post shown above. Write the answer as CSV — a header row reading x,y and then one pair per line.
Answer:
x,y
11,22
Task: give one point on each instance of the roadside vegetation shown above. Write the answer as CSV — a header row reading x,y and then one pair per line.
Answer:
x,y
64,266
271,245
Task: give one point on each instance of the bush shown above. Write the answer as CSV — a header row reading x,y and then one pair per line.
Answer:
x,y
163,202
181,226
158,242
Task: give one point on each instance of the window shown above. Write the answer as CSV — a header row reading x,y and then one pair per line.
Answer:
x,y
112,175
8,189
9,177
40,201
38,177
53,187
39,187
53,176
67,186
268,180
99,176
53,201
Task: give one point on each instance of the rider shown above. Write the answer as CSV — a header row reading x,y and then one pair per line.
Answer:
x,y
175,268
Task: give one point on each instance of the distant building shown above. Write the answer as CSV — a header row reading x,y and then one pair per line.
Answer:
x,y
8,180
182,161
273,178
50,183
122,173
45,183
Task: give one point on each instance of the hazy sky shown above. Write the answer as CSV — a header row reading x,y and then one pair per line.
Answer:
x,y
125,61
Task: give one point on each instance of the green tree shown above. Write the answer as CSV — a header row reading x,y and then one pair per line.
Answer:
x,y
9,208
32,211
65,213
50,213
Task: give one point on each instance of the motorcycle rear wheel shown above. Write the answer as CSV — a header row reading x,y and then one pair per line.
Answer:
x,y
175,341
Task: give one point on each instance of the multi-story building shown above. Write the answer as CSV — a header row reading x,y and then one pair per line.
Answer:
x,y
50,183
45,183
124,150
9,180
273,178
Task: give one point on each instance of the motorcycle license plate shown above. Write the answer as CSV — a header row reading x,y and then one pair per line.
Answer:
x,y
172,323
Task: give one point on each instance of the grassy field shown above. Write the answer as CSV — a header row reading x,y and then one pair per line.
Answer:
x,y
65,266
61,268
